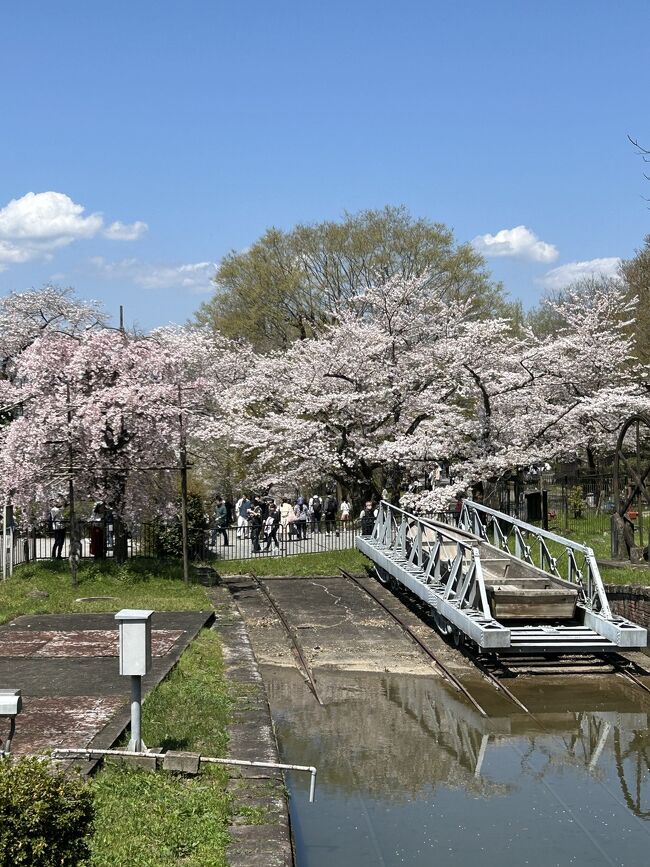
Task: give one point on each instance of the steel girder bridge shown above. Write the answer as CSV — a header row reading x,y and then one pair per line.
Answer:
x,y
500,584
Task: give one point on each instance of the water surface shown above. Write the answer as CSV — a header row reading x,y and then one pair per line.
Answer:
x,y
409,773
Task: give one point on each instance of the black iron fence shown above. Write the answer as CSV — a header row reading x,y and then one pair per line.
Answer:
x,y
97,541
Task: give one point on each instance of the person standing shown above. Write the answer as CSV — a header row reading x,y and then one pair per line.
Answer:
x,y
97,547
221,521
58,526
345,511
316,512
367,519
300,512
285,514
331,507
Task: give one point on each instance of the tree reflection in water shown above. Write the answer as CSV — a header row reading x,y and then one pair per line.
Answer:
x,y
393,735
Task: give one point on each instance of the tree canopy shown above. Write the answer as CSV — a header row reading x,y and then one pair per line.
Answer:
x,y
287,285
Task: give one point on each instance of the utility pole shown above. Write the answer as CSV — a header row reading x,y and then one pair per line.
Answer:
x,y
183,460
73,552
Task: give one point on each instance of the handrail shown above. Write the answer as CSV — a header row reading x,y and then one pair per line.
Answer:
x,y
464,584
593,593
531,528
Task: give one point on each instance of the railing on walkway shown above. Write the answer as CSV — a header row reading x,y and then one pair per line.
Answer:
x,y
554,554
206,544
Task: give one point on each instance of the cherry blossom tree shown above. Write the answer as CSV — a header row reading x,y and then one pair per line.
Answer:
x,y
112,414
416,379
24,316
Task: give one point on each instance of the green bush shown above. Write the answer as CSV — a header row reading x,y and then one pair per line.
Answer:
x,y
576,501
168,538
45,818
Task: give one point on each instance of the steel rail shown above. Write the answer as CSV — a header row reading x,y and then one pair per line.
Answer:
x,y
494,680
487,674
633,678
304,665
451,677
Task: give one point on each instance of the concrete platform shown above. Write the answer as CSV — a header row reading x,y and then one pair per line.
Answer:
x,y
67,669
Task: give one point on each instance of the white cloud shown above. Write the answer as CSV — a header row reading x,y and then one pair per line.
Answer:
x,y
572,272
36,224
119,231
519,242
194,277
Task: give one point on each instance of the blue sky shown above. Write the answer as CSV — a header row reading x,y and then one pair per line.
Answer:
x,y
173,132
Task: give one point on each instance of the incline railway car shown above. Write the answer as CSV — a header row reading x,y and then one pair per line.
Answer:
x,y
500,584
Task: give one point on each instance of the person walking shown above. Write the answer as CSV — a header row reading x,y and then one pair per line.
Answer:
x,y
272,525
242,508
58,526
255,524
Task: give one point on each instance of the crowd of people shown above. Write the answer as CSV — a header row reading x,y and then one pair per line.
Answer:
x,y
266,521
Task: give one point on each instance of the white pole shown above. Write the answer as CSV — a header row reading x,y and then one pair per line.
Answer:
x,y
135,743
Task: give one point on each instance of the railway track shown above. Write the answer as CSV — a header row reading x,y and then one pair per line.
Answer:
x,y
449,675
618,664
303,665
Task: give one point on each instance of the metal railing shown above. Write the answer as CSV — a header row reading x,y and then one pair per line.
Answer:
x,y
447,561
561,557
207,544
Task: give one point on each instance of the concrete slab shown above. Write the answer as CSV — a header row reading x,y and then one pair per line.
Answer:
x,y
66,667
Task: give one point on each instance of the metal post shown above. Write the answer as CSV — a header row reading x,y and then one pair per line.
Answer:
x,y
12,732
135,743
183,467
4,542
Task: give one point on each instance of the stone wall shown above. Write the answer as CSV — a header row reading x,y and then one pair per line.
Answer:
x,y
630,601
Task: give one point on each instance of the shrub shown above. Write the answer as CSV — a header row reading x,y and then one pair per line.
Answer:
x,y
576,501
168,538
45,817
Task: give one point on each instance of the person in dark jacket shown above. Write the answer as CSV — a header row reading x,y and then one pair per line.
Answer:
x,y
221,521
331,508
273,523
255,523
368,519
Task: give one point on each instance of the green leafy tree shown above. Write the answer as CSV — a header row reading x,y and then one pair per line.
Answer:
x,y
288,284
636,274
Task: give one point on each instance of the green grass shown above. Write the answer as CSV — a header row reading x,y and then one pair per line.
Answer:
x,y
159,820
594,531
144,583
140,583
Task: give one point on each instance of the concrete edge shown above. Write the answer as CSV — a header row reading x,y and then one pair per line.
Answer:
x,y
258,795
